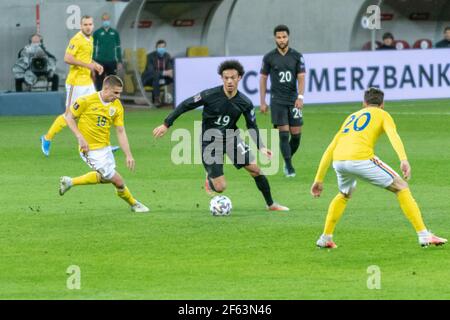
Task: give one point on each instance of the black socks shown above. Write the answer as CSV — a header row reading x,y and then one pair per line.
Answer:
x,y
263,185
295,143
286,148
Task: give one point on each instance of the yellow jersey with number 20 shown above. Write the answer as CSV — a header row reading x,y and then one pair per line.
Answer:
x,y
357,137
95,118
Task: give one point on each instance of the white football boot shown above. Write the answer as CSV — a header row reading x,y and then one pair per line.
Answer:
x,y
139,208
65,183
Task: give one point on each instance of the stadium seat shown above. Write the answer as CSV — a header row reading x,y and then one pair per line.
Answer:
x,y
141,56
128,83
423,44
367,45
133,60
197,52
128,59
401,44
137,60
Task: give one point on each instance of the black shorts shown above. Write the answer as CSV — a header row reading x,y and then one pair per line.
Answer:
x,y
284,113
213,155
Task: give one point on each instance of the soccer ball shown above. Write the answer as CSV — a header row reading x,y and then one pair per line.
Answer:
x,y
220,206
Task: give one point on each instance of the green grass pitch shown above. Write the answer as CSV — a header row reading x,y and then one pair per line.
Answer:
x,y
179,251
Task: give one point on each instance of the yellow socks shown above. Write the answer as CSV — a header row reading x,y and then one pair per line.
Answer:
x,y
411,209
405,198
57,126
126,195
91,178
335,211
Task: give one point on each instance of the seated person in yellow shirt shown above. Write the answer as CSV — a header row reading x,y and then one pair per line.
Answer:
x,y
96,113
352,153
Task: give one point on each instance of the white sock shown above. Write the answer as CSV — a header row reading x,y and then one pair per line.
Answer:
x,y
327,237
424,233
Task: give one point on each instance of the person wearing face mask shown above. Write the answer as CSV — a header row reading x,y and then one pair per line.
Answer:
x,y
107,51
159,70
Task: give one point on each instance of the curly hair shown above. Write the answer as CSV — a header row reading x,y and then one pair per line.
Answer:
x,y
281,28
231,65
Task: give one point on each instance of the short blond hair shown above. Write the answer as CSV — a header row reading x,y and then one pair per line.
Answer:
x,y
85,17
113,81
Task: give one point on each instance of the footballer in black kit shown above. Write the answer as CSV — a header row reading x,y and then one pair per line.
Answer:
x,y
222,108
286,68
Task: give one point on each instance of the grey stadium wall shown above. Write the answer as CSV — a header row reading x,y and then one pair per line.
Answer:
x,y
226,27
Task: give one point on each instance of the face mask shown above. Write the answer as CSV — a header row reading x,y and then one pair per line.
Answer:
x,y
106,24
161,51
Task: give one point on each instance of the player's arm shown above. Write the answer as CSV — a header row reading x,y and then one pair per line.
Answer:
x,y
187,105
250,120
324,164
301,71
69,58
71,115
93,66
396,142
125,146
264,74
301,90
262,93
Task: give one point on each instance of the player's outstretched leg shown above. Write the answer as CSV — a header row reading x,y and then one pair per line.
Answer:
x,y
335,211
65,183
46,140
263,186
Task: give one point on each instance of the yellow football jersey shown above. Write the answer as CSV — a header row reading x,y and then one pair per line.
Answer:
x,y
357,137
95,118
81,48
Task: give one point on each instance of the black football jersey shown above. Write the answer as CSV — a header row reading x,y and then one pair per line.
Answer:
x,y
220,112
283,71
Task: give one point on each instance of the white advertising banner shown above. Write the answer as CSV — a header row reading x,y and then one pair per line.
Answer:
x,y
334,77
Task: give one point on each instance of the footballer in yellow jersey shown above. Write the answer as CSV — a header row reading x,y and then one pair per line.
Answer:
x,y
96,113
352,154
79,81
95,118
81,48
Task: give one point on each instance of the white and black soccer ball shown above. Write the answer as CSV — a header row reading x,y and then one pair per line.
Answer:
x,y
220,206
